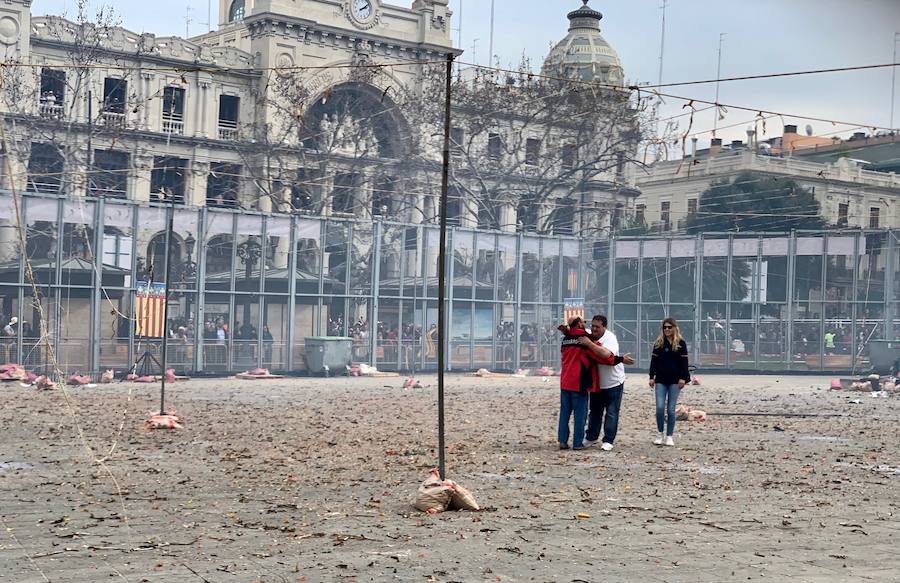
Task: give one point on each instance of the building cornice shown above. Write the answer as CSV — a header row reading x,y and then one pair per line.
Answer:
x,y
59,33
311,32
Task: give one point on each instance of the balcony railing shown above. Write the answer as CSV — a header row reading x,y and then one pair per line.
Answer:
x,y
101,192
228,130
175,198
112,119
51,110
173,124
221,202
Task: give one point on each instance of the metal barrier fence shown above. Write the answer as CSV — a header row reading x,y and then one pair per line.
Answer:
x,y
248,288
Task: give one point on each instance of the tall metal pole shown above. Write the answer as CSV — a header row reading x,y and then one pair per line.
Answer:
x,y
491,42
718,76
459,30
90,144
165,331
662,50
662,42
894,79
442,270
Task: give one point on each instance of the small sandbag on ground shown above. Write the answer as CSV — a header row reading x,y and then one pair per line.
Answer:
x,y
161,421
462,499
433,494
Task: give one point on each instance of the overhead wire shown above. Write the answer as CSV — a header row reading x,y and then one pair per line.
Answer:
x,y
652,91
533,75
770,75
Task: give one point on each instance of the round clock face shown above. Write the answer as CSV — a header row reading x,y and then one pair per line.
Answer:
x,y
362,9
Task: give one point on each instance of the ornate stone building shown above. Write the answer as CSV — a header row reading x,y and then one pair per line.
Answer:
x,y
327,110
220,119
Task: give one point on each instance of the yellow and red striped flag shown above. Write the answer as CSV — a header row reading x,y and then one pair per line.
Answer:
x,y
573,307
149,313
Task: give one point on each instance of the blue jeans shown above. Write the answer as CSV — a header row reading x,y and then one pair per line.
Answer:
x,y
605,406
666,399
569,402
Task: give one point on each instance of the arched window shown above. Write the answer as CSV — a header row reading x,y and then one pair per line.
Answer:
x,y
236,12
219,255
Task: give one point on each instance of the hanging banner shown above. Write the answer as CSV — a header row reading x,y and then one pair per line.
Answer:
x,y
573,307
150,308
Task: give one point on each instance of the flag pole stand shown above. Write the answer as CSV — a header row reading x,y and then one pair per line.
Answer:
x,y
147,363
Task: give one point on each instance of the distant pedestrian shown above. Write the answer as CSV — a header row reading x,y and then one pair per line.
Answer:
x,y
668,375
268,341
829,342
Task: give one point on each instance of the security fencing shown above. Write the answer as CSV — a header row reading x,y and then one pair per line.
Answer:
x,y
246,289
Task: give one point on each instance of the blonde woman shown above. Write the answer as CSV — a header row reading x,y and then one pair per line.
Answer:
x,y
668,375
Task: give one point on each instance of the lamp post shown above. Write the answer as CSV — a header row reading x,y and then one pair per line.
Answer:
x,y
249,252
188,267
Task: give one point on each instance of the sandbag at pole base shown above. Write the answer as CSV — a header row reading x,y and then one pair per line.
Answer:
x,y
435,495
164,421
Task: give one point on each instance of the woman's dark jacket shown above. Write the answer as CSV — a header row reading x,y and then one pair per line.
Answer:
x,y
669,366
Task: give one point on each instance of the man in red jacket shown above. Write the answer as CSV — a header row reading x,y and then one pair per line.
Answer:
x,y
578,378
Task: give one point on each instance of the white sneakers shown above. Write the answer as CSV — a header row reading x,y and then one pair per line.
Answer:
x,y
606,446
661,439
590,442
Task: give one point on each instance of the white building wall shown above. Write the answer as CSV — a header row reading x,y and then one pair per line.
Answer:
x,y
832,184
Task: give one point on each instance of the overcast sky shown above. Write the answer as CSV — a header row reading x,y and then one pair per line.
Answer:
x,y
762,36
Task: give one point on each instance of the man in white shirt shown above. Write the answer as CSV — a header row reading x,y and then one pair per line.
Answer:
x,y
605,403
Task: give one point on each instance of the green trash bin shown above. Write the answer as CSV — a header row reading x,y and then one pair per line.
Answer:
x,y
328,351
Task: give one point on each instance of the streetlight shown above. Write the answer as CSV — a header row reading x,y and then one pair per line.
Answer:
x,y
249,252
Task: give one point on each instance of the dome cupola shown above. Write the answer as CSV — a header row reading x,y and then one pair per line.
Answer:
x,y
584,54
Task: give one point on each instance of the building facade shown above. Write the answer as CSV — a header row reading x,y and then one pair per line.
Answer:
x,y
849,195
298,151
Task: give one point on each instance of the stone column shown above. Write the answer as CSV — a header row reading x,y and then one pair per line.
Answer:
x,y
202,128
196,188
18,163
508,218
543,213
363,204
284,198
76,168
326,191
417,212
264,203
9,236
468,213
281,254
152,103
139,178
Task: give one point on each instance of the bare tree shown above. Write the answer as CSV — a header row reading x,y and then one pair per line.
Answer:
x,y
529,149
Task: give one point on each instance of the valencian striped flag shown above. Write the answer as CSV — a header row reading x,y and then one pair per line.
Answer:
x,y
150,310
573,307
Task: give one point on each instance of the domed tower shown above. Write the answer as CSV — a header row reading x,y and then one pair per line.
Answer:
x,y
584,54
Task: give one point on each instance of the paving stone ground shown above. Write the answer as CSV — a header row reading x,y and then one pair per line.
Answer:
x,y
311,480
